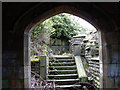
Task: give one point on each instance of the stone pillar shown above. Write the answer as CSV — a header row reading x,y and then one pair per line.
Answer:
x,y
26,60
43,66
111,59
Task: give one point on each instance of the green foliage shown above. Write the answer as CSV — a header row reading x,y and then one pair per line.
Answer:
x,y
41,29
58,27
64,27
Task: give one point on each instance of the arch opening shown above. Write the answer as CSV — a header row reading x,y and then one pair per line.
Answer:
x,y
30,27
51,31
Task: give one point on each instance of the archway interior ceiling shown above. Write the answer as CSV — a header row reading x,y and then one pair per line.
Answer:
x,y
86,11
110,9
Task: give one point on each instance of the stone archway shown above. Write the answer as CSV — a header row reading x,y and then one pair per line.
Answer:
x,y
103,26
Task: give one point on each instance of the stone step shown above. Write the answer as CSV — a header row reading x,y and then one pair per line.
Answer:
x,y
56,72
62,60
65,57
63,67
63,71
66,86
66,83
62,63
62,75
62,80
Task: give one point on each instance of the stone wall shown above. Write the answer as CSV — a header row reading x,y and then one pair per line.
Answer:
x,y
12,71
111,59
19,18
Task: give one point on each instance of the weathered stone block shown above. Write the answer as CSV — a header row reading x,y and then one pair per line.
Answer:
x,y
108,82
27,83
27,72
43,66
113,70
104,54
5,84
105,69
9,55
42,60
117,82
20,83
113,37
115,54
12,84
21,72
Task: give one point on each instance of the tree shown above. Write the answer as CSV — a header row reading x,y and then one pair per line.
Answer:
x,y
59,26
64,27
40,37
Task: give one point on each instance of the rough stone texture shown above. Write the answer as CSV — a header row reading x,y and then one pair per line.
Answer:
x,y
18,18
12,72
111,62
43,66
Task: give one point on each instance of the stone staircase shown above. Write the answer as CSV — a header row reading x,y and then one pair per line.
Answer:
x,y
63,72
